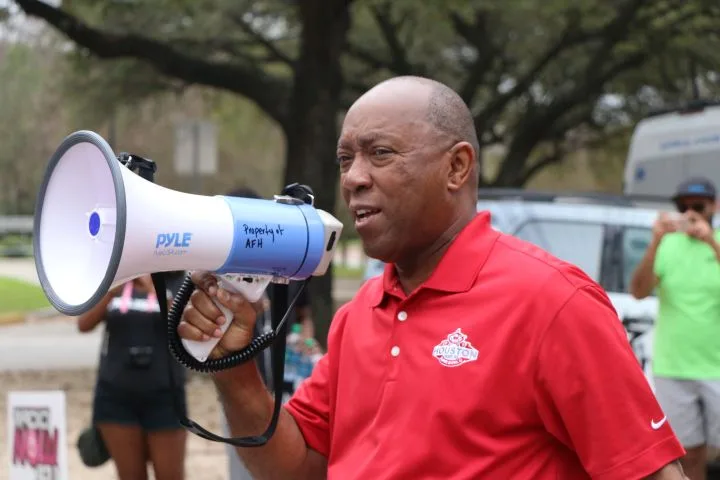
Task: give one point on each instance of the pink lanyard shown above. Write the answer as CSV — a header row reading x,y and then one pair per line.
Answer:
x,y
127,297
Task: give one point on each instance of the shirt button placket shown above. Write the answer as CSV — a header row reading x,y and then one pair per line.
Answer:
x,y
395,349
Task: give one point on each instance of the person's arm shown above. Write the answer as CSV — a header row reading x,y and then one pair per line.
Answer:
x,y
644,279
592,395
87,321
672,471
702,230
248,408
303,427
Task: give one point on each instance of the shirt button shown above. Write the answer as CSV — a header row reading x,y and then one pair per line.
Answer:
x,y
402,316
395,351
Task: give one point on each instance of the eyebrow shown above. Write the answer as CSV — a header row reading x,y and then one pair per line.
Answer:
x,y
368,139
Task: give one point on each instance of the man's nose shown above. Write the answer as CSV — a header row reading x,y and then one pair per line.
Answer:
x,y
357,176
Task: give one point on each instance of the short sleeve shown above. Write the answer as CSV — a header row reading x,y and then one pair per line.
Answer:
x,y
592,395
310,407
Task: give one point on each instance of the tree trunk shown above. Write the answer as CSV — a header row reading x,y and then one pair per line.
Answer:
x,y
311,128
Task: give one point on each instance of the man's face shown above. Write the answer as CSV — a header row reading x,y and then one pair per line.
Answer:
x,y
393,177
702,205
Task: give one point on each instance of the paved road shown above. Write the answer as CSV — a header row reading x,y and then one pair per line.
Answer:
x,y
24,269
20,268
54,342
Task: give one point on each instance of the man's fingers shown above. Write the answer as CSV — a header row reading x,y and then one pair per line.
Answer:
x,y
205,281
200,301
206,325
235,302
190,332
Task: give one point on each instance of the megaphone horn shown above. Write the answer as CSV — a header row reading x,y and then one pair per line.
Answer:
x,y
97,225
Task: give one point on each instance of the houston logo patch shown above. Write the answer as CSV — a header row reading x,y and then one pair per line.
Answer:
x,y
455,350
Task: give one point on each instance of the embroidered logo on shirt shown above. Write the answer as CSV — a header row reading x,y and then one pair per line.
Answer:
x,y
455,350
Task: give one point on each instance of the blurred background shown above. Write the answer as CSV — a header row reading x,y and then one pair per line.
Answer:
x,y
229,93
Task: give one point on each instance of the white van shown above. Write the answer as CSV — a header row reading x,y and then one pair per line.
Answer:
x,y
671,145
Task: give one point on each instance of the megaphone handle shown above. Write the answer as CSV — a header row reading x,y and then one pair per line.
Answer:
x,y
201,350
252,291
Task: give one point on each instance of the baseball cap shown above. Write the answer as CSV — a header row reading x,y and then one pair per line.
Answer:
x,y
695,187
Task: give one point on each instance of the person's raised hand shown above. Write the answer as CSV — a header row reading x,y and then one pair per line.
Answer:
x,y
699,227
663,224
202,319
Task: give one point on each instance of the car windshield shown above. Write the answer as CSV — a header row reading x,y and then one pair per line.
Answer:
x,y
574,242
609,254
635,242
583,244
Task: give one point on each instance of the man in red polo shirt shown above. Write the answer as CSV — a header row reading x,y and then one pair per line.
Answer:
x,y
476,355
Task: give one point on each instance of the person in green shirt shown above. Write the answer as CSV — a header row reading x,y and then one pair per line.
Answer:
x,y
683,264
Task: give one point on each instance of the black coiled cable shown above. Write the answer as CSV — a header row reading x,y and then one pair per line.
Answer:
x,y
301,193
257,345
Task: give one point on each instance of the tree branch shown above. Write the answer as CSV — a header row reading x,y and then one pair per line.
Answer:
x,y
551,158
570,37
399,61
477,35
365,55
389,30
272,49
268,92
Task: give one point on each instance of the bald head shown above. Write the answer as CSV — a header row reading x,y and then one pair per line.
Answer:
x,y
444,109
408,167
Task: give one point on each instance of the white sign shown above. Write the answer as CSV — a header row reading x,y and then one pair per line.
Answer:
x,y
196,148
37,435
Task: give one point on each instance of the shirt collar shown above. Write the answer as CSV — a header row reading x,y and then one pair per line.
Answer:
x,y
459,266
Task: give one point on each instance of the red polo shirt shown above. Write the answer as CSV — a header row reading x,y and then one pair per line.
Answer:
x,y
505,364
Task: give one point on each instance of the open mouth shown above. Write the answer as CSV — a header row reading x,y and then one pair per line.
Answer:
x,y
365,214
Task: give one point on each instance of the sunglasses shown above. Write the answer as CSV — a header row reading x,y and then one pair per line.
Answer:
x,y
698,207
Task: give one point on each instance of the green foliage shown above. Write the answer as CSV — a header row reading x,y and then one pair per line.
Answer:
x,y
536,73
28,107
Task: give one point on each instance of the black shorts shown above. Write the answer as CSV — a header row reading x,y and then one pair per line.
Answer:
x,y
152,410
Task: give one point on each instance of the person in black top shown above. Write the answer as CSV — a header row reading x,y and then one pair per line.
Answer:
x,y
134,404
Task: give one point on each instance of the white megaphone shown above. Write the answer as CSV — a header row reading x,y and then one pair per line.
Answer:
x,y
98,224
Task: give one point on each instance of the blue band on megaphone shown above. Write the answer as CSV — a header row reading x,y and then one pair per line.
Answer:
x,y
274,238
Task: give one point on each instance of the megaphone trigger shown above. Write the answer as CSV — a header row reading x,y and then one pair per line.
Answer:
x,y
251,287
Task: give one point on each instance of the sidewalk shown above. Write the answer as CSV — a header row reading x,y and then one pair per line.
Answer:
x,y
52,342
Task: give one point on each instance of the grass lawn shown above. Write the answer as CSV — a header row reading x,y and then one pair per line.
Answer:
x,y
17,296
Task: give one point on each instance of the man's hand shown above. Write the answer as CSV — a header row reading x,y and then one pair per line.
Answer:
x,y
663,224
699,227
202,318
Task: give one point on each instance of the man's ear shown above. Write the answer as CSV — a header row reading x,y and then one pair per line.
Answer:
x,y
461,165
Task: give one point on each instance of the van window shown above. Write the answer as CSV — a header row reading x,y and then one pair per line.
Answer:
x,y
635,242
578,243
